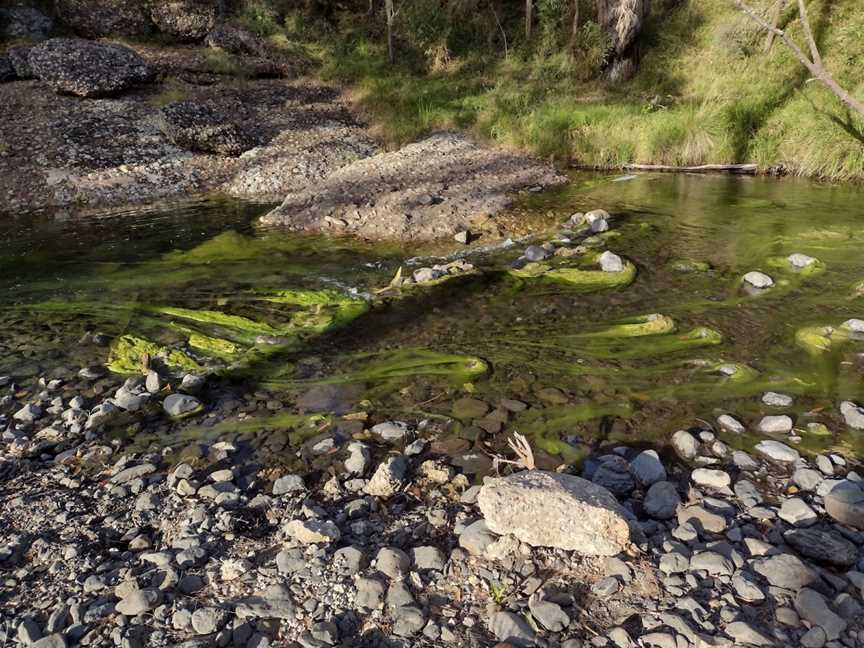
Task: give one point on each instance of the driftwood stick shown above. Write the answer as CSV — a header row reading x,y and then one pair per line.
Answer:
x,y
742,169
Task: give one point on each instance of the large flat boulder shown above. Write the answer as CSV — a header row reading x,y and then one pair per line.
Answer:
x,y
24,22
545,509
87,69
428,190
98,18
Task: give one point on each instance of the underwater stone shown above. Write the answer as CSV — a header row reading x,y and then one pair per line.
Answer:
x,y
391,431
758,279
800,261
853,326
611,262
388,478
545,509
775,424
536,253
796,512
358,458
288,484
776,400
180,405
662,501
777,451
730,424
853,414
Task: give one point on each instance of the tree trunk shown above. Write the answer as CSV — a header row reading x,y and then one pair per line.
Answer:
x,y
390,11
574,34
529,18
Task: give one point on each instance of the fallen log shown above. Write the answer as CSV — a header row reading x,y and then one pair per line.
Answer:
x,y
740,169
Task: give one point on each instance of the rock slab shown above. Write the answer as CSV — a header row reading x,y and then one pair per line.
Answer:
x,y
87,69
546,509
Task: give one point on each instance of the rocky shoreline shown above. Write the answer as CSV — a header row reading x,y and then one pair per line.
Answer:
x,y
373,535
97,123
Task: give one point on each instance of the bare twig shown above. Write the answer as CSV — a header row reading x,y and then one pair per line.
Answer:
x,y
815,65
525,456
519,444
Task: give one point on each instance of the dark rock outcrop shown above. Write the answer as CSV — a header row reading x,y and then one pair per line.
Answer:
x,y
186,19
202,127
7,72
97,18
24,22
236,41
87,69
19,56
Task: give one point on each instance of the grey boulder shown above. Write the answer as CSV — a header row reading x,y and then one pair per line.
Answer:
x,y
545,509
87,69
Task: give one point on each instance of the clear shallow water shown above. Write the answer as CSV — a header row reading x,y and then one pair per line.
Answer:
x,y
171,276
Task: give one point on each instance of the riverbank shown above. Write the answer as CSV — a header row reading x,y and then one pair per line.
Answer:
x,y
705,93
379,536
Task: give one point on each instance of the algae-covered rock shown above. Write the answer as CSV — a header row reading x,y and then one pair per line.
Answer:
x,y
818,339
758,280
130,354
586,280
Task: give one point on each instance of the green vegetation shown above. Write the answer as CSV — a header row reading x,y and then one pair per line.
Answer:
x,y
578,278
705,90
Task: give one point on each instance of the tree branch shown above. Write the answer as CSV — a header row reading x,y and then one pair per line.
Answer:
x,y
814,51
815,66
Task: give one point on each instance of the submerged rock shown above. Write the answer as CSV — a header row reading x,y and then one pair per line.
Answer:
x,y
87,69
776,451
611,262
553,510
181,405
800,261
758,280
853,414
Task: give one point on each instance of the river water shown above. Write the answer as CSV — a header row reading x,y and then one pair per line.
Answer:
x,y
288,314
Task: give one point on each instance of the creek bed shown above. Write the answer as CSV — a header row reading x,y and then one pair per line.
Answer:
x,y
286,315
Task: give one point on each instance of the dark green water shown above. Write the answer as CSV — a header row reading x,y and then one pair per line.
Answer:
x,y
171,276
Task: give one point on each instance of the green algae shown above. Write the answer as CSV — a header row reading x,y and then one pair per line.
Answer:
x,y
641,325
820,339
545,427
581,279
783,264
690,265
129,355
408,363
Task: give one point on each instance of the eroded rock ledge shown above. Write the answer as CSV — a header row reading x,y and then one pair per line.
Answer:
x,y
427,190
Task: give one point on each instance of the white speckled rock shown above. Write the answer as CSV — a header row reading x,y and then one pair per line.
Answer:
x,y
758,279
545,509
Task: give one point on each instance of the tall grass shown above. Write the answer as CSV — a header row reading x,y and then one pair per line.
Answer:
x,y
705,92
